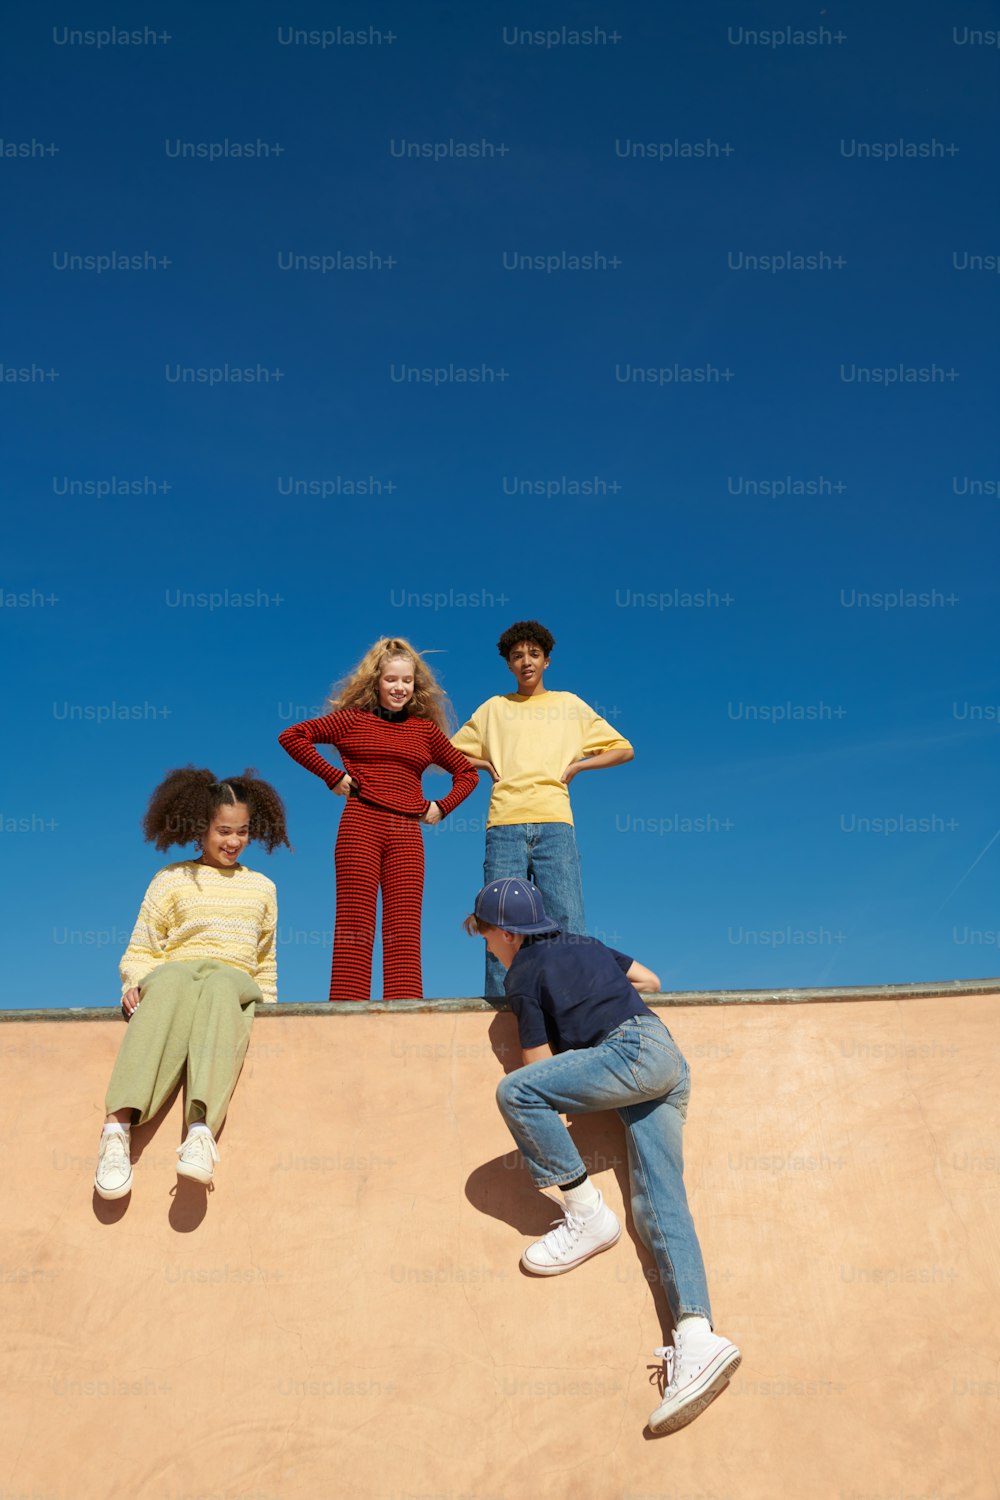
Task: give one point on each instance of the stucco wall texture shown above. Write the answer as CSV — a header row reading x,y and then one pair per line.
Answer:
x,y
344,1314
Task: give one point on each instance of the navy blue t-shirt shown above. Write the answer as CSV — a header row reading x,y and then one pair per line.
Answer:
x,y
570,991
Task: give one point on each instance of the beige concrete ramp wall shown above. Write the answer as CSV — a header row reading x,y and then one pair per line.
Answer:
x,y
344,1316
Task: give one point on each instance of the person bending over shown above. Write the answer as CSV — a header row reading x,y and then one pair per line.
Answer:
x,y
590,1043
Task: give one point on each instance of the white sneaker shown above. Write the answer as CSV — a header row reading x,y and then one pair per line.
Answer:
x,y
114,1167
697,1369
573,1241
198,1155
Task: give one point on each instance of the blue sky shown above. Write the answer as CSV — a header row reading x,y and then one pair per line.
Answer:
x,y
813,456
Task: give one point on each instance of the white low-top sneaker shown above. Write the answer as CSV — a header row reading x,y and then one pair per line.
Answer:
x,y
572,1241
697,1369
198,1156
114,1168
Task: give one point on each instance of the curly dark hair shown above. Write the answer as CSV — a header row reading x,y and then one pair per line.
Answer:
x,y
184,804
525,630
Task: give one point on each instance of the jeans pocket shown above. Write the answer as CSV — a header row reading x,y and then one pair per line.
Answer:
x,y
659,1067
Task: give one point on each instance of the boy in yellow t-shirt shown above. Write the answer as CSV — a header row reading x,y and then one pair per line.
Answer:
x,y
533,742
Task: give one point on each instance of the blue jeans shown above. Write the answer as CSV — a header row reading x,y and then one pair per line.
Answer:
x,y
638,1070
545,854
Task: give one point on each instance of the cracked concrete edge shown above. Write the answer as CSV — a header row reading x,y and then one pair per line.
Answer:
x,y
844,994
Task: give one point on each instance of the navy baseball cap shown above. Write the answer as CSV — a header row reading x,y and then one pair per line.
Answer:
x,y
515,906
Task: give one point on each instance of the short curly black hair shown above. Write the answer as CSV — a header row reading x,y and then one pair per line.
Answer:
x,y
525,630
182,807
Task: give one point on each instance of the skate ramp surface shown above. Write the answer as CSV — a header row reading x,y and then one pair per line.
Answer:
x,y
344,1314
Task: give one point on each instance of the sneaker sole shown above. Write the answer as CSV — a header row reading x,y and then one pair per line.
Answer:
x,y
680,1416
197,1174
110,1194
570,1265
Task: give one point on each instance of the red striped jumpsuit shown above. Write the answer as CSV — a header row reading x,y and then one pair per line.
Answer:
x,y
379,841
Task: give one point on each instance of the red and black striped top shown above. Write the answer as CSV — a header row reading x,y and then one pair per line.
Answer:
x,y
385,761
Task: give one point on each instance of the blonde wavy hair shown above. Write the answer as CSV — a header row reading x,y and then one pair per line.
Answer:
x,y
359,689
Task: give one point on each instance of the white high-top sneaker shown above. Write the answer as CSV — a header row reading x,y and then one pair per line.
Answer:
x,y
698,1367
198,1155
114,1167
572,1241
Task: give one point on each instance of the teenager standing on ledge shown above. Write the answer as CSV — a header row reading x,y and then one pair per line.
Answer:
x,y
533,742
388,720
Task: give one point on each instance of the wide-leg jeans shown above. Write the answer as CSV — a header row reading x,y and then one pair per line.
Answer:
x,y
546,854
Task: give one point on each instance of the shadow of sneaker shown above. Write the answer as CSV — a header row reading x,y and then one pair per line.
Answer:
x,y
189,1206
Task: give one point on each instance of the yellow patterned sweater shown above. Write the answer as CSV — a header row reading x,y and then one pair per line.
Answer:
x,y
193,911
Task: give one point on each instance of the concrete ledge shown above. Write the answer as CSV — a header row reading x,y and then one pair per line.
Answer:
x,y
942,988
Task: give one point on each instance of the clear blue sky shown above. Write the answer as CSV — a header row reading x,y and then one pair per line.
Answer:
x,y
840,677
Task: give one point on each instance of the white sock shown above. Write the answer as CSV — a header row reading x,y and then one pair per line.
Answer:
x,y
583,1198
692,1324
112,1126
198,1125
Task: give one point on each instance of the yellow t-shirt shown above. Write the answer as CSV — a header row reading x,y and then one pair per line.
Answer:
x,y
531,741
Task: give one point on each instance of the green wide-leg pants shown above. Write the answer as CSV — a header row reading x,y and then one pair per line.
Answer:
x,y
191,1015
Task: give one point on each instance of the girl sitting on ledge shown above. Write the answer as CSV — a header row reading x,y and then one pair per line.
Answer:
x,y
202,953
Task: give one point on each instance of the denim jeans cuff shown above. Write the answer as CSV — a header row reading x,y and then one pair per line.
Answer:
x,y
551,1182
694,1312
